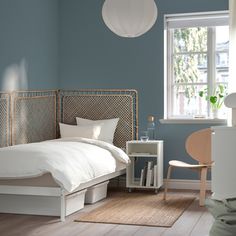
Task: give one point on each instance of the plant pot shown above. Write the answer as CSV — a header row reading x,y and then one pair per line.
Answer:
x,y
214,114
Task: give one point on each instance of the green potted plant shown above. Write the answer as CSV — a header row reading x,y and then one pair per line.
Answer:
x,y
216,99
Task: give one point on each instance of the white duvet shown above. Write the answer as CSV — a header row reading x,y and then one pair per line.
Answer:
x,y
71,161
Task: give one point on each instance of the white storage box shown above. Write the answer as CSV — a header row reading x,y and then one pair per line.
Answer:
x,y
96,193
41,205
75,202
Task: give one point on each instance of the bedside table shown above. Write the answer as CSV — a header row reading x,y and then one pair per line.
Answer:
x,y
151,174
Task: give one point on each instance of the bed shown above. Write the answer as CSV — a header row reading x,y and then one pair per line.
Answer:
x,y
24,122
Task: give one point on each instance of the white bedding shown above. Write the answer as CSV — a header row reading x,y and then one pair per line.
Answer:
x,y
71,161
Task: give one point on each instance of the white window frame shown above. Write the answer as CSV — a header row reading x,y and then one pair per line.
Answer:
x,y
172,21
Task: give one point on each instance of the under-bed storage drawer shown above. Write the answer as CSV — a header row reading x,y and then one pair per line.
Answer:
x,y
96,193
41,205
29,204
75,202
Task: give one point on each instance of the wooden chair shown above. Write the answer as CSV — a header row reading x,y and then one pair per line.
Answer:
x,y
198,146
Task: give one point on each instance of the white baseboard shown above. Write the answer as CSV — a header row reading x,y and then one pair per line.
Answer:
x,y
173,183
187,184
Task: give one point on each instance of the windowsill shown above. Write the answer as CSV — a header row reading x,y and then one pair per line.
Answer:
x,y
194,121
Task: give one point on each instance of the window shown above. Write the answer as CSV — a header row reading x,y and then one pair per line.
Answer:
x,y
197,64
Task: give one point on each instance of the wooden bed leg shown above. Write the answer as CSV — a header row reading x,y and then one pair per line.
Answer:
x,y
63,207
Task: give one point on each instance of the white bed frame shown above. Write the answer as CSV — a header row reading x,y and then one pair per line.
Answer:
x,y
59,106
50,201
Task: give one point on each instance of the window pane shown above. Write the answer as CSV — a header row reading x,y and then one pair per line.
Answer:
x,y
222,59
222,38
222,74
190,39
187,102
190,68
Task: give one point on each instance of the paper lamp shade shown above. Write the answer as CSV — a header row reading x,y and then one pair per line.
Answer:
x,y
129,18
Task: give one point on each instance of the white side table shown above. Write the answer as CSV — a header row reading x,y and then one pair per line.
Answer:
x,y
152,151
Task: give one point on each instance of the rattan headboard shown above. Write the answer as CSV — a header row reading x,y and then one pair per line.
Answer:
x,y
33,116
102,104
5,120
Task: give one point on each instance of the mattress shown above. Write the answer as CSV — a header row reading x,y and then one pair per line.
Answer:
x,y
46,180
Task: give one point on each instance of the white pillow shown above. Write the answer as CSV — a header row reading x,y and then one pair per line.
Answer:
x,y
88,131
108,127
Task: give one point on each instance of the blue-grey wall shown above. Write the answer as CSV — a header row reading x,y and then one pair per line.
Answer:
x,y
91,56
29,44
50,44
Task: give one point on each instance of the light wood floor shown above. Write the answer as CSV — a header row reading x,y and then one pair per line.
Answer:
x,y
195,221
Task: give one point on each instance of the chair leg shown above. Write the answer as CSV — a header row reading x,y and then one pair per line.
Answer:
x,y
167,181
203,187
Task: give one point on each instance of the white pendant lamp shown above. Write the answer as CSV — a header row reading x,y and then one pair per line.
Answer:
x,y
129,18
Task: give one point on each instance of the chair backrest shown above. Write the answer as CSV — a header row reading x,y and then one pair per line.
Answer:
x,y
198,146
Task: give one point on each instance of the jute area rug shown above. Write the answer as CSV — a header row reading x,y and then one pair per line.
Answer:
x,y
139,209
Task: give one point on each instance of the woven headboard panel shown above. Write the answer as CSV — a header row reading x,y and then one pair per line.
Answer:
x,y
5,139
102,104
34,116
